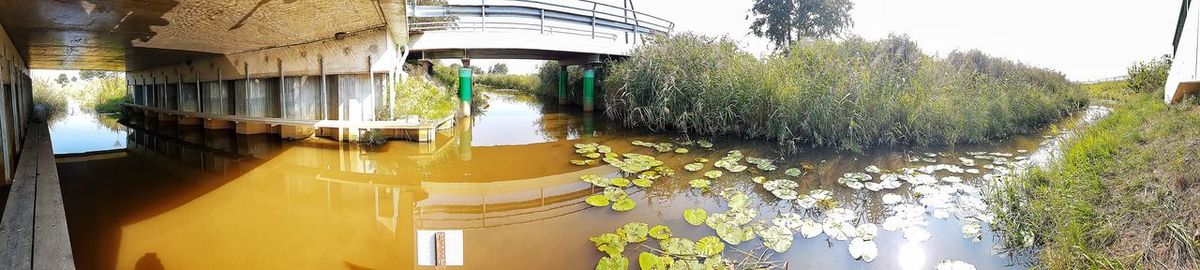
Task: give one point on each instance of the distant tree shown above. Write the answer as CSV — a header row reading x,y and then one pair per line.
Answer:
x,y
498,68
62,80
73,78
476,70
88,75
785,21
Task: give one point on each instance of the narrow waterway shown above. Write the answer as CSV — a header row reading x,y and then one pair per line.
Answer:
x,y
500,185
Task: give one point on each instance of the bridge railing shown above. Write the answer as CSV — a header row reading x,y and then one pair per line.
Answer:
x,y
574,17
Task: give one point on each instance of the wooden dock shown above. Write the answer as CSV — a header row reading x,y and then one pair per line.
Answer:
x,y
33,231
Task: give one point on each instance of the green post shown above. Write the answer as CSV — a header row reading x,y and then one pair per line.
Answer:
x,y
562,85
464,89
589,85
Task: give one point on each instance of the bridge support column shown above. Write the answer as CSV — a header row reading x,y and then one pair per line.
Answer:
x,y
562,85
589,88
464,86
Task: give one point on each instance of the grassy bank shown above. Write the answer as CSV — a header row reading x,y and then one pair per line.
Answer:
x,y
50,96
1123,195
849,95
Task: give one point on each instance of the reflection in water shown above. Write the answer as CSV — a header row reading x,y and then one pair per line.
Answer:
x,y
188,198
80,131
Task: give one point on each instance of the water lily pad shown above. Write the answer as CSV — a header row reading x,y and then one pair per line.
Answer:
x,y
596,180
738,200
579,162
709,246
704,143
767,167
597,200
592,155
700,183
624,204
729,232
609,243
620,182
759,179
863,249
660,232
642,182
678,246
613,263
695,216
793,172
891,198
788,220
954,265
872,169
809,228
713,174
681,150
786,194
973,231
694,167
839,230
615,193
634,232
702,160
777,238
649,261
780,184
736,168
867,231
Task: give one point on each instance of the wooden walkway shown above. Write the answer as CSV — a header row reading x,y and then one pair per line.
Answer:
x,y
33,231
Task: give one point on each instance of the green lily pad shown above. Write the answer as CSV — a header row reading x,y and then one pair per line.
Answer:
x,y
596,180
713,174
620,182
642,182
687,264
704,143
678,246
615,194
730,232
738,200
777,238
649,261
613,263
700,183
597,200
610,243
759,179
695,216
681,150
709,246
793,172
660,232
624,204
592,155
578,162
635,232
702,160
694,167
780,184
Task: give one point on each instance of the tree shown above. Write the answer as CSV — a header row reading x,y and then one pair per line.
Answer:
x,y
498,68
785,21
62,79
88,75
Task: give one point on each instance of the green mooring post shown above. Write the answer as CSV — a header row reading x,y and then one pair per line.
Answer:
x,y
589,89
562,85
464,89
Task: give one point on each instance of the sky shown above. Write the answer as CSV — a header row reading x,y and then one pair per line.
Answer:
x,y
1083,39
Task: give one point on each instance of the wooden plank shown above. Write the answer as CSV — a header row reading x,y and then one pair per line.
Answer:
x,y
17,225
52,241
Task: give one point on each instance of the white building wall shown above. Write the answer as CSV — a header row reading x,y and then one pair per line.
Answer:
x,y
1184,65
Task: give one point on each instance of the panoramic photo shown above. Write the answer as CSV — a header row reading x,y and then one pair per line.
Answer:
x,y
599,134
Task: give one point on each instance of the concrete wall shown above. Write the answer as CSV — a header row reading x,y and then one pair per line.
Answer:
x,y
15,104
358,70
1184,71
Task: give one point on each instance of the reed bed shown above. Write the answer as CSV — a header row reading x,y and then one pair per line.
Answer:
x,y
849,95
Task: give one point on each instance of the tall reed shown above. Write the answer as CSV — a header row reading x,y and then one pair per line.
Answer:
x,y
849,95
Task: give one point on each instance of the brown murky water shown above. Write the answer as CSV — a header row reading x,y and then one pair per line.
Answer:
x,y
499,185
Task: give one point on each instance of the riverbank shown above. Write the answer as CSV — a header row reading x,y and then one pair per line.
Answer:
x,y
1123,194
849,95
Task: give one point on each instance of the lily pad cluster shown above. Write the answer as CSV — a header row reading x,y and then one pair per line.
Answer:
x,y
645,169
670,253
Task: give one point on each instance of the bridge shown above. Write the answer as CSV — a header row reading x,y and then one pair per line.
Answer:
x,y
294,69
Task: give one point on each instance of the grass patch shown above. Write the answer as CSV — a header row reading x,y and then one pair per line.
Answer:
x,y
848,95
1114,90
527,83
1124,194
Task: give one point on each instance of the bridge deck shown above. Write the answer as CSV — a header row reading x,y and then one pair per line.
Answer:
x,y
33,231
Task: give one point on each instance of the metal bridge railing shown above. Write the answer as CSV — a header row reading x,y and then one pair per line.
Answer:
x,y
574,17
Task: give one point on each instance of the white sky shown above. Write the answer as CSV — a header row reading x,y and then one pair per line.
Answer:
x,y
1084,39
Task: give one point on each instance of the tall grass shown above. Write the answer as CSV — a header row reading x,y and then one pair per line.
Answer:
x,y
1123,195
849,95
418,97
51,96
521,82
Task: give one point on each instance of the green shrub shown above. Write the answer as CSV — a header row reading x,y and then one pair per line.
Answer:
x,y
848,95
1149,76
521,82
418,97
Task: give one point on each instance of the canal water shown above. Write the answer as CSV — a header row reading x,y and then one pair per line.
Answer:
x,y
499,189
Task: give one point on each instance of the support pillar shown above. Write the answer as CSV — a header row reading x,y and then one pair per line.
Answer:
x,y
562,85
464,86
589,88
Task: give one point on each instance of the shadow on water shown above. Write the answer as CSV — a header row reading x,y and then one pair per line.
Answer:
x,y
188,198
